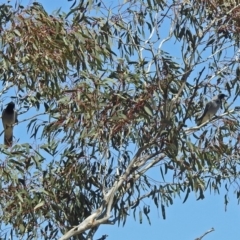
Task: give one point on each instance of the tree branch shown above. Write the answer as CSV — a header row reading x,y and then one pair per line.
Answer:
x,y
193,129
200,238
94,220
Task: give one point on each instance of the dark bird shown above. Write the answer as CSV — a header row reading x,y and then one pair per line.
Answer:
x,y
9,118
211,108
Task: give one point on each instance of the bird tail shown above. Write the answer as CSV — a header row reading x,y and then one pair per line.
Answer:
x,y
198,121
8,136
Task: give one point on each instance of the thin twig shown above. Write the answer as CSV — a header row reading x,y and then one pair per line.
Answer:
x,y
200,238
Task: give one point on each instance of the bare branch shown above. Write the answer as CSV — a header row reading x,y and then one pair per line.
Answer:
x,y
200,238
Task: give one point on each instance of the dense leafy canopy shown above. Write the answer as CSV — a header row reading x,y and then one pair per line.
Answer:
x,y
109,92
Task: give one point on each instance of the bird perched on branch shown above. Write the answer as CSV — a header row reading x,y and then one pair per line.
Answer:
x,y
9,118
211,108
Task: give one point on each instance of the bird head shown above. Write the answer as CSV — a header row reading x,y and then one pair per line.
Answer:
x,y
221,96
10,106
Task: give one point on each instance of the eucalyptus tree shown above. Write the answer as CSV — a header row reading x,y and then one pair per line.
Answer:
x,y
105,93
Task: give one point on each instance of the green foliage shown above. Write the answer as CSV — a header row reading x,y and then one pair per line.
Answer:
x,y
114,101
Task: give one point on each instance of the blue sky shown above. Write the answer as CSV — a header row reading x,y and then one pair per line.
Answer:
x,y
183,221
